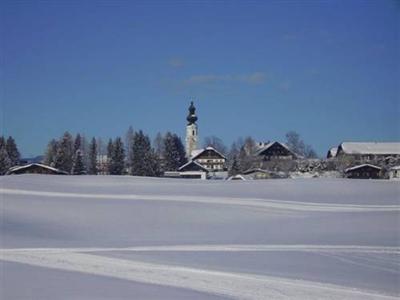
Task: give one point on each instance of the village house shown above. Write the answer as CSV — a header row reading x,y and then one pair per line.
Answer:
x,y
207,162
210,158
275,151
368,151
364,171
193,169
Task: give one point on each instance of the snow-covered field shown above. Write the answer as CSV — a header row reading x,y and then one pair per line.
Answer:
x,y
106,237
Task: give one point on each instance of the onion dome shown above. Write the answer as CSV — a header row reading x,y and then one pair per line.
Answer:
x,y
191,118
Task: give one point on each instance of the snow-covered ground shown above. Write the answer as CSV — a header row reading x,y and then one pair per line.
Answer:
x,y
105,237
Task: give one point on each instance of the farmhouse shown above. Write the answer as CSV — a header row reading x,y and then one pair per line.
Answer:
x,y
35,168
193,169
210,159
275,151
364,171
368,151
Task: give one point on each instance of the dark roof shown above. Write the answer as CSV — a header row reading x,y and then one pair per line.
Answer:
x,y
269,145
362,166
17,169
254,170
190,163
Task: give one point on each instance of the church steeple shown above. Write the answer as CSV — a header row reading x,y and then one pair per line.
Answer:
x,y
191,118
191,131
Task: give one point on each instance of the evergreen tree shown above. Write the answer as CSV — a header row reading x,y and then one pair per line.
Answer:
x,y
128,146
65,156
174,152
117,166
85,150
92,164
12,150
5,162
78,167
100,146
144,160
234,167
51,153
233,154
78,143
159,145
110,151
80,160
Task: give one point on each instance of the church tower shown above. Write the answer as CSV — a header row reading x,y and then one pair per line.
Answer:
x,y
191,131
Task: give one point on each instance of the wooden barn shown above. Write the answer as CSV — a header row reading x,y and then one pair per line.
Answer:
x,y
275,151
35,168
364,171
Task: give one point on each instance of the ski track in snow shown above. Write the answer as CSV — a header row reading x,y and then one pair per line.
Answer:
x,y
221,248
231,284
251,202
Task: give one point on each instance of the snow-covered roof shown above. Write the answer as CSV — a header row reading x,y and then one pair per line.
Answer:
x,y
266,146
395,168
192,162
332,152
17,168
370,148
236,177
362,166
253,170
196,153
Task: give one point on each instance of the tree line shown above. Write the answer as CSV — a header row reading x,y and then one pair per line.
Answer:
x,y
9,154
136,155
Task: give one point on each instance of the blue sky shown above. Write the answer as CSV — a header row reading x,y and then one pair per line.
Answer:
x,y
328,69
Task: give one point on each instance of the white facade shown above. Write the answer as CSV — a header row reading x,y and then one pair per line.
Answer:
x,y
191,139
394,173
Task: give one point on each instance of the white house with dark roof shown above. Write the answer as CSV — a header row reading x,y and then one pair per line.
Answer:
x,y
210,158
275,150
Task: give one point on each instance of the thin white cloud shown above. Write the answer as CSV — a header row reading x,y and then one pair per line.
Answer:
x,y
252,78
176,62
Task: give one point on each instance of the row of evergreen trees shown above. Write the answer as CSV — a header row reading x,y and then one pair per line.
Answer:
x,y
137,156
9,154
